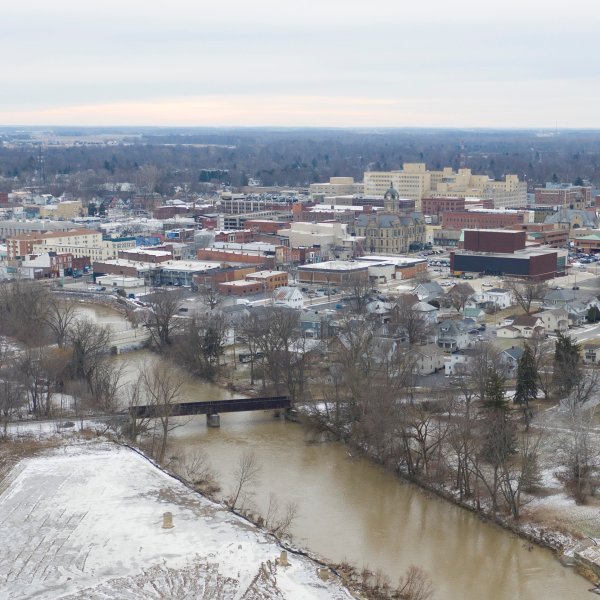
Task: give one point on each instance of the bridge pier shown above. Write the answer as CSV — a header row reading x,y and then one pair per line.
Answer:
x,y
213,420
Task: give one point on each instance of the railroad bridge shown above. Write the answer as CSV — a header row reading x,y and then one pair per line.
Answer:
x,y
212,408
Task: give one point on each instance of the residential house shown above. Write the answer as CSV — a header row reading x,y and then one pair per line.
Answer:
x,y
316,324
452,335
427,311
510,358
458,362
288,296
577,312
529,326
428,290
591,354
508,331
429,359
493,299
475,313
559,297
556,320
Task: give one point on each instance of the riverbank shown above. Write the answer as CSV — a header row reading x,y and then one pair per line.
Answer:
x,y
553,532
86,519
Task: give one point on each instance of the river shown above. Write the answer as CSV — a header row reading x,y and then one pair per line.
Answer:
x,y
351,509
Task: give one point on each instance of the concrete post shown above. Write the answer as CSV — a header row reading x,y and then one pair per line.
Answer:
x,y
283,559
323,573
167,521
213,421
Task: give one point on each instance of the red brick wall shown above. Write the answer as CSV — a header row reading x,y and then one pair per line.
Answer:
x,y
543,266
479,220
494,241
437,206
226,256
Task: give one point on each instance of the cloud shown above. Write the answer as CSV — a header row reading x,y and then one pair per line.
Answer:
x,y
67,59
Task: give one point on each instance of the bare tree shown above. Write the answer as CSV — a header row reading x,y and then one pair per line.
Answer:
x,y
161,386
579,449
210,295
89,344
59,317
415,584
12,397
521,472
459,294
201,344
526,291
105,385
358,287
416,324
161,317
22,310
246,474
543,356
195,467
43,371
278,522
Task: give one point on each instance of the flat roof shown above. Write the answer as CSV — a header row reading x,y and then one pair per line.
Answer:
x,y
336,265
265,274
395,260
518,254
239,283
147,252
189,265
125,262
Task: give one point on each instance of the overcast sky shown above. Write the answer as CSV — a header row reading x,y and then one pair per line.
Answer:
x,y
460,63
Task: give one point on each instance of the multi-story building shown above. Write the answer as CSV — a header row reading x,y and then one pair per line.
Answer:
x,y
483,219
437,206
331,238
337,186
531,263
69,209
269,280
78,242
564,194
388,233
416,182
391,231
413,181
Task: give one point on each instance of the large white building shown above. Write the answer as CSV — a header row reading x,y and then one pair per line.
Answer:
x,y
81,243
337,186
332,238
414,181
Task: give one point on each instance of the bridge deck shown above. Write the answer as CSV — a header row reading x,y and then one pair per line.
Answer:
x,y
212,407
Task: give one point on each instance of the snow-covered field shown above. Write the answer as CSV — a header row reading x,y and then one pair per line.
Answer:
x,y
85,521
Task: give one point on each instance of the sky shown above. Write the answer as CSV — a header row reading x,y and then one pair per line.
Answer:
x,y
324,63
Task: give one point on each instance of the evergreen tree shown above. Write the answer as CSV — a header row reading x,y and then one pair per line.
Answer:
x,y
526,383
566,364
593,314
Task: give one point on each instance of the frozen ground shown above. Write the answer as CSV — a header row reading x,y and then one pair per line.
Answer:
x,y
85,521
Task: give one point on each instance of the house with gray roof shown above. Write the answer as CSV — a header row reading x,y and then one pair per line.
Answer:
x,y
428,290
452,335
510,358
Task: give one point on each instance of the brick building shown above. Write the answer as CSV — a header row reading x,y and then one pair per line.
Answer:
x,y
494,240
532,263
481,219
240,288
269,280
437,206
568,196
147,255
